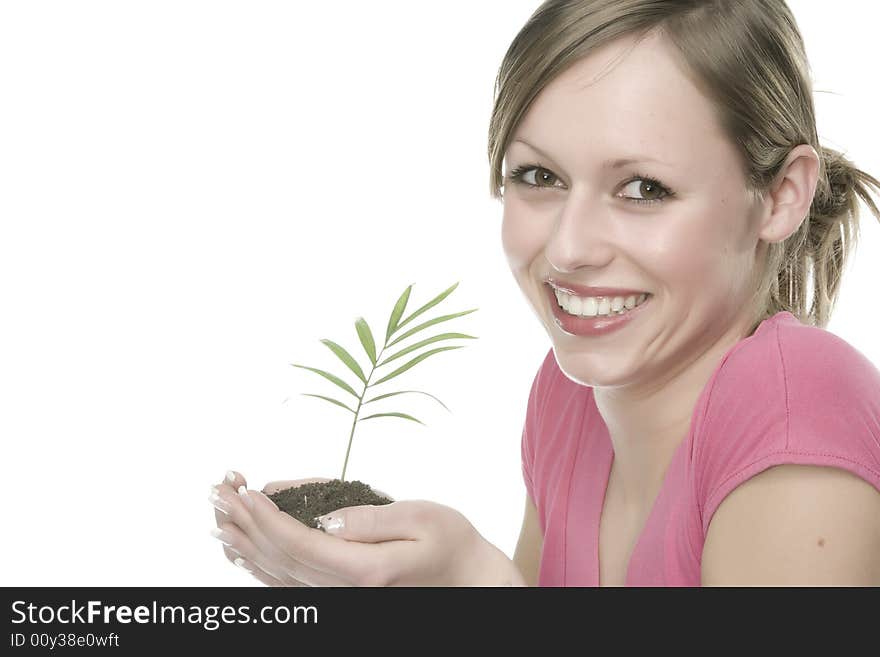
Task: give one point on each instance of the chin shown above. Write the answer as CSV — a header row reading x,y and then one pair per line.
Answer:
x,y
594,369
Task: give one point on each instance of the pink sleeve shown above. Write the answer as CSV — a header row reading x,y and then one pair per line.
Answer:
x,y
536,403
801,396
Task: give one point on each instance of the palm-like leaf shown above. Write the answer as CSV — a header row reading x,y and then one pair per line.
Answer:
x,y
366,337
403,415
391,394
335,379
436,338
433,302
346,358
414,361
338,403
436,320
399,307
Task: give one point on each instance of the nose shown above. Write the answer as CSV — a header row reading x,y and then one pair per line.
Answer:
x,y
580,237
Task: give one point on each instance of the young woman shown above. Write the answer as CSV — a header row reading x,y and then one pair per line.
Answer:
x,y
667,205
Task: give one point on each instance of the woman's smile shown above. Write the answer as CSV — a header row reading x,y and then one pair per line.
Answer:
x,y
608,316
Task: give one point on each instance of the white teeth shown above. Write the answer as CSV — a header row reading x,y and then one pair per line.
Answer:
x,y
592,306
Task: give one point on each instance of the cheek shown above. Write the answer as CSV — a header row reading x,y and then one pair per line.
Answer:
x,y
522,239
704,249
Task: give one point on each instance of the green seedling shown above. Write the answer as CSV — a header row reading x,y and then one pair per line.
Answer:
x,y
368,343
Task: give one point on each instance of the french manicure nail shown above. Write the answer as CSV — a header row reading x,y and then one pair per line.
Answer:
x,y
220,535
331,524
230,477
243,494
240,563
219,503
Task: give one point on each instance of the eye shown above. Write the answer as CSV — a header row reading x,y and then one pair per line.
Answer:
x,y
651,190
519,174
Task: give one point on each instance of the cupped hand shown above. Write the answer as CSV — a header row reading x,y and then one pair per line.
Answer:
x,y
246,553
404,543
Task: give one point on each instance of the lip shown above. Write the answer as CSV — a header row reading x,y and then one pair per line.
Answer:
x,y
591,326
587,291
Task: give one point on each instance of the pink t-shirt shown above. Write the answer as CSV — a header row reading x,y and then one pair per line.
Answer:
x,y
789,393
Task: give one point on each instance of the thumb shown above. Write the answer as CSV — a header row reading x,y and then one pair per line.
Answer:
x,y
370,524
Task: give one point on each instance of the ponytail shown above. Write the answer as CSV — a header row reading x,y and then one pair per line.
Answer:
x,y
809,264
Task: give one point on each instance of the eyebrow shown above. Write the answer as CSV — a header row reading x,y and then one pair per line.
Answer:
x,y
608,164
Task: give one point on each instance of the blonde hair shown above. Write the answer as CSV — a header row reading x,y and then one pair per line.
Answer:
x,y
749,59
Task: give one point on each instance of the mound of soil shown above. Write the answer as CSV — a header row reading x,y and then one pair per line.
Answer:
x,y
308,501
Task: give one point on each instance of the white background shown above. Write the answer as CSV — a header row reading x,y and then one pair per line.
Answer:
x,y
193,194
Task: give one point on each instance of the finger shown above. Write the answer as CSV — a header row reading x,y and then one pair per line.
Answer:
x,y
283,569
222,518
221,507
234,479
229,510
272,553
231,552
237,545
312,576
256,572
369,523
242,550
350,563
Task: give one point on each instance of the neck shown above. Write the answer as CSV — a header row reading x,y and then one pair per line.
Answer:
x,y
648,420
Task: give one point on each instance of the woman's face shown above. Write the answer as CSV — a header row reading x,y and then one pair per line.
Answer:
x,y
692,246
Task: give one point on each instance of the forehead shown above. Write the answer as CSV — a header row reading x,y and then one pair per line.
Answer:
x,y
626,97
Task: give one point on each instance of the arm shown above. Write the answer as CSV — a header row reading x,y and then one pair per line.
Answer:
x,y
527,556
795,525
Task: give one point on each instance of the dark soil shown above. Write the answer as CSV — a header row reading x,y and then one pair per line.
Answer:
x,y
308,501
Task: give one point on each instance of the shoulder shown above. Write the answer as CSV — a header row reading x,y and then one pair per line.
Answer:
x,y
785,356
815,357
789,468
806,388
792,387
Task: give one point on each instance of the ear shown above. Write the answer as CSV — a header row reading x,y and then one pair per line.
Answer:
x,y
788,201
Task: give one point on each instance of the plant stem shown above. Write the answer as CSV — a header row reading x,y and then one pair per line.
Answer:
x,y
358,410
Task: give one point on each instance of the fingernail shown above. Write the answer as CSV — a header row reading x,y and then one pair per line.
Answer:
x,y
331,524
240,563
230,476
221,536
243,494
219,503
